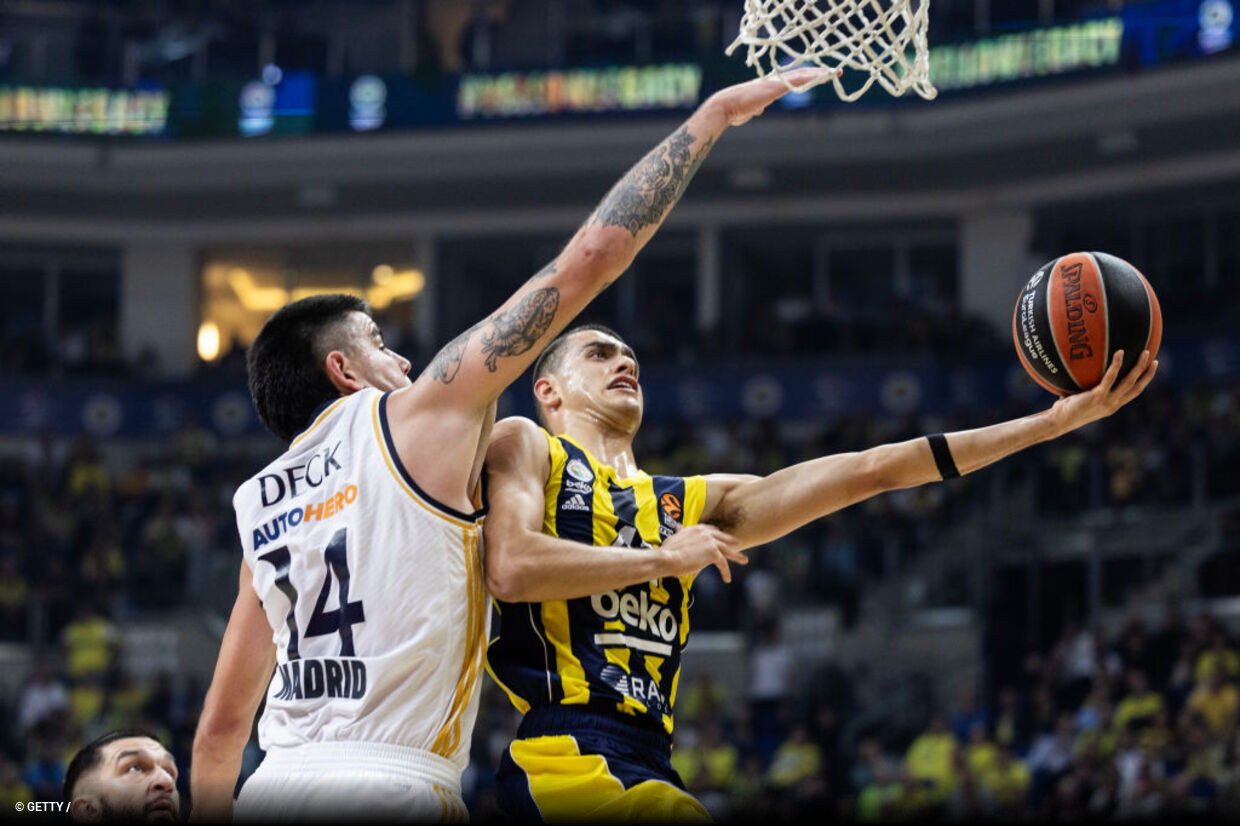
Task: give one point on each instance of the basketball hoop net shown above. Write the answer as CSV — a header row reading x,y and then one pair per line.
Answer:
x,y
885,39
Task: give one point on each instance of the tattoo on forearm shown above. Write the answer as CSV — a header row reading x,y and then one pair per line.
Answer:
x,y
447,362
644,195
513,332
550,269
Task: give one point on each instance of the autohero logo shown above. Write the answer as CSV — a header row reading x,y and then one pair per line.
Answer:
x,y
297,479
313,512
321,677
640,614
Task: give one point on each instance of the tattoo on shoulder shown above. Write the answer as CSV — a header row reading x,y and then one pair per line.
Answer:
x,y
642,197
447,362
513,332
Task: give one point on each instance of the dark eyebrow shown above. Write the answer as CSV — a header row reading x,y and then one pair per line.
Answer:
x,y
609,346
129,753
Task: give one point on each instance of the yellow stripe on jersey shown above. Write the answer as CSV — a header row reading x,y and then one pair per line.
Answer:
x,y
559,457
570,787
317,421
448,738
559,634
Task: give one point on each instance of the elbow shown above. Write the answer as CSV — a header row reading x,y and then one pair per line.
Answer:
x,y
219,727
507,581
599,255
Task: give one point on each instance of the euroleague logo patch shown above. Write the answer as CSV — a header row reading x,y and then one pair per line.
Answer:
x,y
671,505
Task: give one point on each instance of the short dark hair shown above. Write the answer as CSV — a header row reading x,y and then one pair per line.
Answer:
x,y
550,359
89,757
285,362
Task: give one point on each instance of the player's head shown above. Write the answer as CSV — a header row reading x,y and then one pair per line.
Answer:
x,y
589,371
124,775
315,350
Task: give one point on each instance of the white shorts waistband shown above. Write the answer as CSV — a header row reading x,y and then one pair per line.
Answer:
x,y
337,757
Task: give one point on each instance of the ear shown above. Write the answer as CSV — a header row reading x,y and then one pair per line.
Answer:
x,y
547,393
85,808
340,373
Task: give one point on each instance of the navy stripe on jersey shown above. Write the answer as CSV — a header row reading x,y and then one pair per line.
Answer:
x,y
404,473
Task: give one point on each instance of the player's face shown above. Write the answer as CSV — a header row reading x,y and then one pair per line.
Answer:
x,y
136,780
599,373
380,367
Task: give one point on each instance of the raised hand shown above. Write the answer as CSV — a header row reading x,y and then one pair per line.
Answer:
x,y
1108,396
698,546
747,100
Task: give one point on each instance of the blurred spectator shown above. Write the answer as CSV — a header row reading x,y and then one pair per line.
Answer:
x,y
42,697
45,772
1219,655
970,715
930,762
770,681
13,789
1004,785
1216,701
796,760
90,642
1141,704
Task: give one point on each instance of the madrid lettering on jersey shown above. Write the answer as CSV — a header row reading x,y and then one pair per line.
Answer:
x,y
321,677
294,480
313,512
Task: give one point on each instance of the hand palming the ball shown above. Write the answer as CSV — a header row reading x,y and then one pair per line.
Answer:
x,y
1109,395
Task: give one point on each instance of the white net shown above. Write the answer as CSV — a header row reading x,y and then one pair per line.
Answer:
x,y
884,39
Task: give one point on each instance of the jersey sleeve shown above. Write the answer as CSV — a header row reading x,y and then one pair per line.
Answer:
x,y
695,499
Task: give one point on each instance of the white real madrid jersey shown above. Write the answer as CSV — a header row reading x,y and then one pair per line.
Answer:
x,y
374,592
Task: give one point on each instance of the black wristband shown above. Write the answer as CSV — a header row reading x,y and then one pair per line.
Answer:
x,y
943,456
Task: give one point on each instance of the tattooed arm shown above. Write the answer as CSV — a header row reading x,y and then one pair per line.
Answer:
x,y
440,424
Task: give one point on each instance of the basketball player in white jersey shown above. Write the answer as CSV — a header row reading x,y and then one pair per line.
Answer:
x,y
361,613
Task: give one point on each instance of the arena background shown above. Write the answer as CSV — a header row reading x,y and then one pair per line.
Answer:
x,y
837,276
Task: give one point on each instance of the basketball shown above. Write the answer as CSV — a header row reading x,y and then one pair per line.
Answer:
x,y
1075,312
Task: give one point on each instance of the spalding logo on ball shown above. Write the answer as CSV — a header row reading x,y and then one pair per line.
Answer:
x,y
1075,312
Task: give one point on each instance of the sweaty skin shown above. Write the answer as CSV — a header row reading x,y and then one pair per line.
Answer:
x,y
136,780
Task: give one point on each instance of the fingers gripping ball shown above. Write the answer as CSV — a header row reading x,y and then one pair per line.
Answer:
x,y
1075,312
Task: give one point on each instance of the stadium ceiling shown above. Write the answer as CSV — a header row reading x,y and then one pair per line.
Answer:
x,y
1067,142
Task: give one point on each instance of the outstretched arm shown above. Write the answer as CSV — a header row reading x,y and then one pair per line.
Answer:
x,y
525,565
759,509
439,423
242,671
476,366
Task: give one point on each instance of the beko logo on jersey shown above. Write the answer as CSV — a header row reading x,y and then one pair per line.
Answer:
x,y
573,486
639,613
292,481
323,677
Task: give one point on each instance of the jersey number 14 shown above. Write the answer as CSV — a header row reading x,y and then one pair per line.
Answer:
x,y
339,620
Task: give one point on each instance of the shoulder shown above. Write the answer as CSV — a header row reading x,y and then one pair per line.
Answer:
x,y
518,441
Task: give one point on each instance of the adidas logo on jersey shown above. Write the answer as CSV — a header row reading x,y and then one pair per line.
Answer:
x,y
574,503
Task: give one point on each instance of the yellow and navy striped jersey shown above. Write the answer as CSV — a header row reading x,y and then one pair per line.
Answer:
x,y
616,651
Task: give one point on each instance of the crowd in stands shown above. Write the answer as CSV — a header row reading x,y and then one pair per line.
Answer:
x,y
90,540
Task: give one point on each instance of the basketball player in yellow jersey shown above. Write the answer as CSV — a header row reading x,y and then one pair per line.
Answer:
x,y
360,586
590,634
